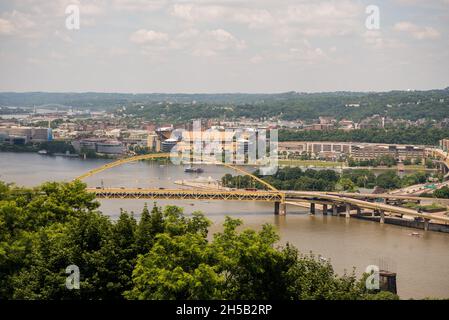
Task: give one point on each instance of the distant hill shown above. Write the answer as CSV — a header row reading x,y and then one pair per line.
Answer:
x,y
411,105
95,99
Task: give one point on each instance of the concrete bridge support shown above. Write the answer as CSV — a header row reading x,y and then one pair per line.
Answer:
x,y
334,210
426,224
312,208
277,206
348,211
280,208
382,216
359,211
325,209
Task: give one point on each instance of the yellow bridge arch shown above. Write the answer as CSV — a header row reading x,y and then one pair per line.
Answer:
x,y
166,155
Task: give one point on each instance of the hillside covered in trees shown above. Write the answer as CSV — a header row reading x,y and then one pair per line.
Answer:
x,y
294,178
409,105
411,135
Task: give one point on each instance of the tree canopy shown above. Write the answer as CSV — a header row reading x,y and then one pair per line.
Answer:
x,y
164,255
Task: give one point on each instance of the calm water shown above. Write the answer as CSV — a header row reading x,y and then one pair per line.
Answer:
x,y
421,263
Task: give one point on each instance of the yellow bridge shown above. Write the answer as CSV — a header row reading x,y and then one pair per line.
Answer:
x,y
185,194
280,198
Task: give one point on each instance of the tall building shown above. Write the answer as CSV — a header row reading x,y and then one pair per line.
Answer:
x,y
153,142
444,144
26,134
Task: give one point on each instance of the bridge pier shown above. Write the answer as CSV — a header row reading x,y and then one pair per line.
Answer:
x,y
426,224
359,211
348,211
324,209
277,206
280,208
334,210
312,208
382,216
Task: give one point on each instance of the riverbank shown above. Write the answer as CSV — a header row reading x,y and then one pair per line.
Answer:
x,y
436,227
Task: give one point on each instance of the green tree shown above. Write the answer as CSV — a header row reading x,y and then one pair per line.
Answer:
x,y
167,255
235,265
347,185
388,180
442,193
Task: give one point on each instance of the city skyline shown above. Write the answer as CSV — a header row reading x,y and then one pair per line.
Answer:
x,y
135,46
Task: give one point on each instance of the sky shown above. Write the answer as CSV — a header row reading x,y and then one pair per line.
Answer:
x,y
207,46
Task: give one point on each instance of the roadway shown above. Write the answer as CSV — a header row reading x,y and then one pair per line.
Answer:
x,y
266,196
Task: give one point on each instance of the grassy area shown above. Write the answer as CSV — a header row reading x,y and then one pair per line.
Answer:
x,y
429,207
314,163
329,164
415,167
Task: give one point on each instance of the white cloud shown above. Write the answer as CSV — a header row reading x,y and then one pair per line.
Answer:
x,y
6,27
144,36
212,42
416,31
256,59
90,9
248,38
139,5
309,18
196,42
195,13
379,40
254,18
425,3
224,36
64,36
323,19
304,53
17,22
374,38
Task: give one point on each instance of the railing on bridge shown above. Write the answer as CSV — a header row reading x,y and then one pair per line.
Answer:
x,y
185,194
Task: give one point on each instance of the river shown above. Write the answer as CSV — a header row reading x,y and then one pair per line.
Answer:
x,y
421,263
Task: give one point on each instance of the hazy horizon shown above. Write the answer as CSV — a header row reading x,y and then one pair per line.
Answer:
x,y
223,92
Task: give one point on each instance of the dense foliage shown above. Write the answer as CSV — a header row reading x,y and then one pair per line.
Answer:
x,y
410,105
166,255
414,105
294,178
442,193
411,135
380,161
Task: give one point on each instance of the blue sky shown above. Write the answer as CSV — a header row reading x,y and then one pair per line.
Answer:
x,y
223,46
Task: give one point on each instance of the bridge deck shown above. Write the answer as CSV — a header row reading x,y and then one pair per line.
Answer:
x,y
266,196
186,194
